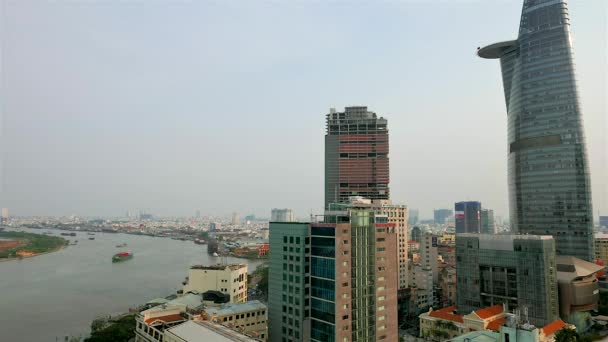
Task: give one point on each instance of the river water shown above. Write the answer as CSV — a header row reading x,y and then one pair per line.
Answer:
x,y
47,297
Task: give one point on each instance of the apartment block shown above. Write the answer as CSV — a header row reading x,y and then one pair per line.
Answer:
x,y
230,280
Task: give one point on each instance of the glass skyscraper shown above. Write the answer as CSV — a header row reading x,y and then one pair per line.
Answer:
x,y
549,187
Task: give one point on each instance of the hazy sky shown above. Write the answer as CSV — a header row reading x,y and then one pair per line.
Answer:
x,y
173,106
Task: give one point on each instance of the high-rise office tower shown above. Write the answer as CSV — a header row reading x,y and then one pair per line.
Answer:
x,y
412,218
487,221
518,270
429,253
282,215
353,283
549,187
288,302
417,234
468,217
235,219
440,215
356,155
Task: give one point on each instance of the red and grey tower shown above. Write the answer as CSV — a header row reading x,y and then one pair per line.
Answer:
x,y
356,155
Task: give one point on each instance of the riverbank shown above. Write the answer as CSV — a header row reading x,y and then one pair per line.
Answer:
x,y
34,255
20,245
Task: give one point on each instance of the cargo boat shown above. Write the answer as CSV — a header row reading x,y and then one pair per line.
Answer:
x,y
122,256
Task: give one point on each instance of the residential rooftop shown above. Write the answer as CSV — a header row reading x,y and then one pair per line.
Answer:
x,y
236,308
218,267
205,331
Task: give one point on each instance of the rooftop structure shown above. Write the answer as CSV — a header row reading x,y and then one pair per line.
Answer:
x,y
578,287
204,331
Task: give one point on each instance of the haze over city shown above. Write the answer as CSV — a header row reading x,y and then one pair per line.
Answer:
x,y
220,107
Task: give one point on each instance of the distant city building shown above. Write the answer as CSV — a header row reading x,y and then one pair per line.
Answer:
x,y
428,254
416,234
250,218
440,215
4,217
549,181
282,215
468,217
214,226
228,279
603,221
143,216
421,279
447,282
289,286
601,247
518,270
236,220
197,214
412,217
249,318
487,222
356,155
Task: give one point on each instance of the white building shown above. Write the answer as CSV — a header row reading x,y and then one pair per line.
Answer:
x,y
282,215
203,331
428,254
229,279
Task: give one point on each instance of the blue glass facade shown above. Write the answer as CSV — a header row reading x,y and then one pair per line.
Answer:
x,y
549,187
322,284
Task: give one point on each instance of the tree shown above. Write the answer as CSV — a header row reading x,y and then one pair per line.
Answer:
x,y
98,324
567,335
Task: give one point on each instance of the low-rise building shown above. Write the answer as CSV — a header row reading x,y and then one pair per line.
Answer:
x,y
447,282
578,289
250,318
443,324
601,247
228,279
151,324
515,332
204,331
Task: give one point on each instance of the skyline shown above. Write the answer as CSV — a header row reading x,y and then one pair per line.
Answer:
x,y
64,157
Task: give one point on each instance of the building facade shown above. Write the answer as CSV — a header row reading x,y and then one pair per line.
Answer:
x,y
517,270
487,221
549,186
289,282
467,216
356,155
282,215
249,318
353,288
440,215
229,279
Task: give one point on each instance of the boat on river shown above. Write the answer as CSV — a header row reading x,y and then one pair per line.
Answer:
x,y
122,256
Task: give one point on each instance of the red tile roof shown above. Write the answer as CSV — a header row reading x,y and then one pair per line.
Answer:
x,y
447,314
553,327
489,312
166,319
496,324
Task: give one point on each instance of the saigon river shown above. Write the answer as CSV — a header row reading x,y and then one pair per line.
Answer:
x,y
48,297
